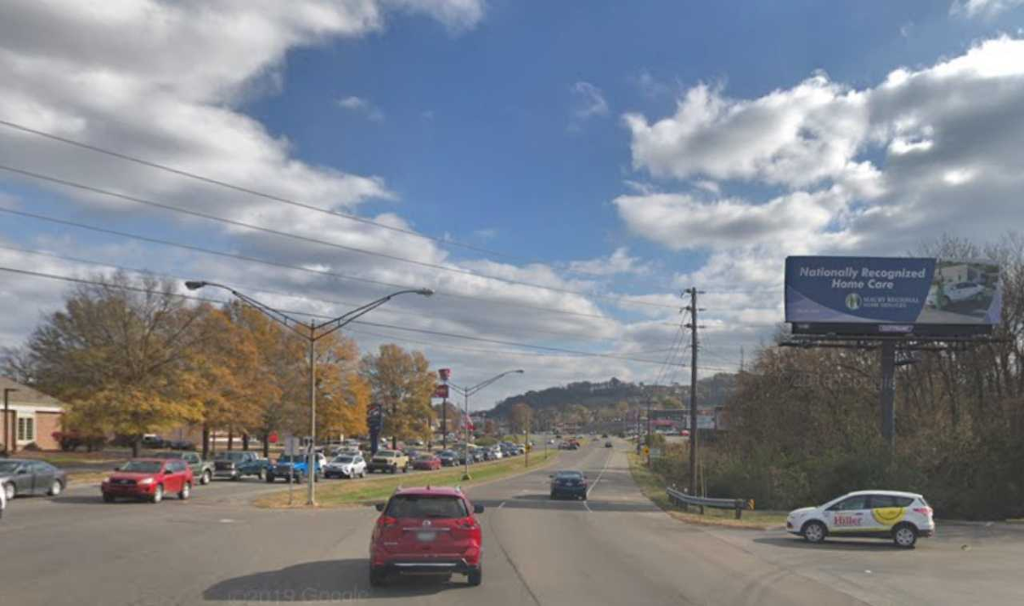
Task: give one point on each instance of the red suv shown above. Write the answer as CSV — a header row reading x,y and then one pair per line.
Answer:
x,y
149,479
427,530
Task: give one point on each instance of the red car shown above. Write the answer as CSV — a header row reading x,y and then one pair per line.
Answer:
x,y
428,462
149,479
427,531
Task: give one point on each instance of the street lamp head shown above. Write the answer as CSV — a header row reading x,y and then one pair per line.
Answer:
x,y
520,371
194,284
426,292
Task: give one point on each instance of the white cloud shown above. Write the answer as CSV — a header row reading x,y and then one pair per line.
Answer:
x,y
619,262
679,221
982,8
877,171
362,106
588,102
794,137
651,86
456,15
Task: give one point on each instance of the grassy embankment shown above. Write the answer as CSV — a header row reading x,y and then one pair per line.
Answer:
x,y
653,488
375,489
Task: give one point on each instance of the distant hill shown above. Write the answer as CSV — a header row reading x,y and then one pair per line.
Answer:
x,y
711,392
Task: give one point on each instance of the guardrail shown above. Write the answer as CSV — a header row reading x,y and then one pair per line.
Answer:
x,y
686,500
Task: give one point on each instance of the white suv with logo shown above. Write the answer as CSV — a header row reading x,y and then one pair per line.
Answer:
x,y
880,514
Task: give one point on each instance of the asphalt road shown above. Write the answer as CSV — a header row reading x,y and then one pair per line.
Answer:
x,y
616,548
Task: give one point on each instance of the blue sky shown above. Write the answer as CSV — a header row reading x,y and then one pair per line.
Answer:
x,y
602,150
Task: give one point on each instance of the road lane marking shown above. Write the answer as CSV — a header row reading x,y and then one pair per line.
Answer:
x,y
594,485
587,507
502,504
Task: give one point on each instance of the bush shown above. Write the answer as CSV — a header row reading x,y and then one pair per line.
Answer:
x,y
485,442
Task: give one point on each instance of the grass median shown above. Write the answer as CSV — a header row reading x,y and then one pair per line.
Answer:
x,y
653,488
345,493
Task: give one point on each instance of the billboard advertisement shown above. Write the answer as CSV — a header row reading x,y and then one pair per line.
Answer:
x,y
881,295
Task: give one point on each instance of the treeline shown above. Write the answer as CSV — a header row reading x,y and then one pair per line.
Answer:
x,y
586,402
805,424
130,357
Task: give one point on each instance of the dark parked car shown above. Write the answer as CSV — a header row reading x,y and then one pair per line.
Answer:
x,y
448,458
236,464
20,477
571,484
201,470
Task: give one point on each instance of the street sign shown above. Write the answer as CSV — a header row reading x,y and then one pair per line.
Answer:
x,y
441,391
292,445
444,373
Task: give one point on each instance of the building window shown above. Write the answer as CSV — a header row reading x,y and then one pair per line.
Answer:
x,y
26,429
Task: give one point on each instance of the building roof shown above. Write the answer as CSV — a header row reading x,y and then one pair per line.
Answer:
x,y
27,395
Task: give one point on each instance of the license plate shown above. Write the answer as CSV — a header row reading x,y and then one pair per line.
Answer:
x,y
426,536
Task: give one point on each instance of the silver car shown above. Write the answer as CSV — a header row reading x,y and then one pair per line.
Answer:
x,y
21,477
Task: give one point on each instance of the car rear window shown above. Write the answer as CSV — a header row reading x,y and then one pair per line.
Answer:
x,y
885,500
417,506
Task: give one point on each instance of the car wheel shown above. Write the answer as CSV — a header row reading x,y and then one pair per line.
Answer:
x,y
205,478
108,498
56,489
158,495
905,536
476,576
270,478
405,469
377,577
10,491
394,469
814,532
186,491
362,474
946,301
235,477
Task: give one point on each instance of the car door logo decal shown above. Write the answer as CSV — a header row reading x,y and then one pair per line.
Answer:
x,y
847,520
888,516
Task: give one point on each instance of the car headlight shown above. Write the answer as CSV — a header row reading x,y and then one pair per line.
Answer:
x,y
145,481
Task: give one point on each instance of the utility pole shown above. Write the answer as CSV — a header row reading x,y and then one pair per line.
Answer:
x,y
693,389
9,433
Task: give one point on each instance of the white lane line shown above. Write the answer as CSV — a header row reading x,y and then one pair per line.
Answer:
x,y
594,485
502,504
587,507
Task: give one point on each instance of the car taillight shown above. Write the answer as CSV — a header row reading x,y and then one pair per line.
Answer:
x,y
388,521
925,511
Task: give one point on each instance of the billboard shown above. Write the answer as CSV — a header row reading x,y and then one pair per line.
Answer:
x,y
881,295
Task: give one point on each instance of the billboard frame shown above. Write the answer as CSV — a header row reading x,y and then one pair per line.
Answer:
x,y
882,328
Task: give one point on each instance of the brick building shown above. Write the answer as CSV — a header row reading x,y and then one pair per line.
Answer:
x,y
29,417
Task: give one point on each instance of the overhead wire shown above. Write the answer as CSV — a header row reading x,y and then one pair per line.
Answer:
x,y
546,348
312,240
51,255
311,270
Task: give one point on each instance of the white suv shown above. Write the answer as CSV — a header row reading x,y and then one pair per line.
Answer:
x,y
880,514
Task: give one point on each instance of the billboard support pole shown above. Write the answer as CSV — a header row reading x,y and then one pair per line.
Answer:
x,y
888,394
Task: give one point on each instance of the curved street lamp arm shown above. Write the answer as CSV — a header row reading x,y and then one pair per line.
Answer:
x,y
275,315
342,320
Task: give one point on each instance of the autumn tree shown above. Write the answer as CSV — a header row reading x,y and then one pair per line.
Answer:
x,y
520,417
118,354
403,384
343,394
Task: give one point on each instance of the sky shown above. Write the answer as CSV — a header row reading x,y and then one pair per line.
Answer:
x,y
558,172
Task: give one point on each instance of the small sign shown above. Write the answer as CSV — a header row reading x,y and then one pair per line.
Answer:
x,y
654,453
444,373
441,391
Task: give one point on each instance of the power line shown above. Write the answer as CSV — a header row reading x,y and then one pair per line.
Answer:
x,y
339,276
262,290
254,192
311,240
546,348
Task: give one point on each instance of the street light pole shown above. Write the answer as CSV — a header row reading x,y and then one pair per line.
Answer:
x,y
312,332
468,391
